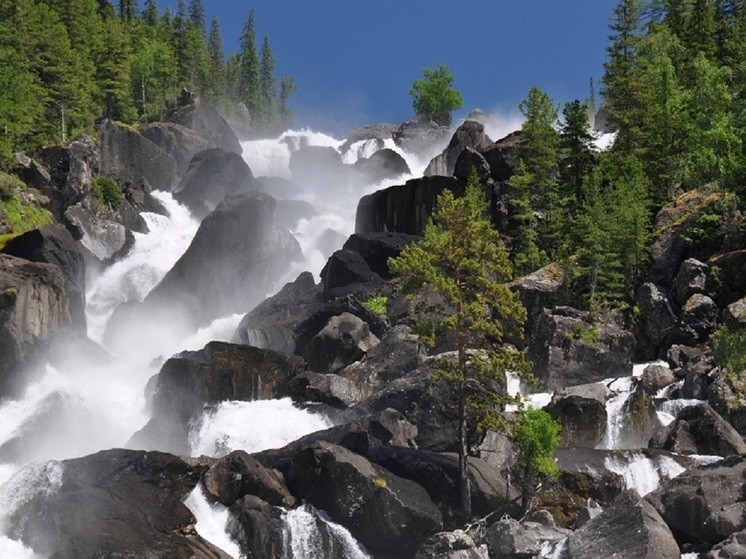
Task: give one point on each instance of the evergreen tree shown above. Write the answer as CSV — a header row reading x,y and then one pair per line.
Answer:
x,y
287,89
216,60
113,75
249,90
700,32
150,13
197,16
460,258
268,85
576,142
127,10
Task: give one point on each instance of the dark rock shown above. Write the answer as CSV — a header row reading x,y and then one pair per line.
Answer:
x,y
128,157
684,359
581,410
278,187
422,136
34,307
382,165
344,340
657,316
706,503
116,503
71,169
562,357
375,134
731,548
400,352
700,430
377,248
403,208
346,268
501,157
639,418
695,386
451,545
734,315
54,245
387,514
655,376
212,175
471,160
191,380
330,389
33,173
697,321
258,528
180,142
469,135
201,117
272,323
238,474
731,276
609,534
693,278
727,396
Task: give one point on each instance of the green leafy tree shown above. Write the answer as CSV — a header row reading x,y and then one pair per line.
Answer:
x,y
537,437
460,259
434,97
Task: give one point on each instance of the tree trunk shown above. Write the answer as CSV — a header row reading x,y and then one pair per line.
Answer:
x,y
463,471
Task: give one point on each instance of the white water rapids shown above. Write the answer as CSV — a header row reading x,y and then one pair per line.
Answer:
x,y
87,405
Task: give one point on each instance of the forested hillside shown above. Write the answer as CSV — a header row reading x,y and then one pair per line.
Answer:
x,y
66,64
673,91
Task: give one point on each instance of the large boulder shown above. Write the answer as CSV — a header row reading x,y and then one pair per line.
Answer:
x,y
382,165
705,504
191,380
368,137
501,156
567,350
34,307
235,257
727,396
202,117
657,319
129,157
389,515
700,430
180,142
344,340
71,169
403,208
377,248
345,271
54,245
581,410
116,503
212,175
422,136
630,527
451,545
698,319
693,277
731,276
469,135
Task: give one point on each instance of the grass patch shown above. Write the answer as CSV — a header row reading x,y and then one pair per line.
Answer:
x,y
377,304
20,217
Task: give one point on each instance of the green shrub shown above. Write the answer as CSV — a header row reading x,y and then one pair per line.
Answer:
x,y
377,304
587,334
729,349
107,191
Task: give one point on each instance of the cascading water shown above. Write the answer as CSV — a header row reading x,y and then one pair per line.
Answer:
x,y
309,534
96,403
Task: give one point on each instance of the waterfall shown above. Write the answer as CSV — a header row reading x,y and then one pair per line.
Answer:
x,y
308,534
643,473
617,429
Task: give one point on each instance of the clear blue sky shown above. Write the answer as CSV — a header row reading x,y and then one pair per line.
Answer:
x,y
355,60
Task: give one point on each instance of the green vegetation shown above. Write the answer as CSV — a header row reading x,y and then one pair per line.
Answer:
x,y
433,95
65,65
460,259
729,350
107,192
536,435
588,334
377,304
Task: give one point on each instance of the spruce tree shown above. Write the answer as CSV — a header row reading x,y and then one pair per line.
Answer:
x,y
268,85
249,89
460,258
216,60
576,142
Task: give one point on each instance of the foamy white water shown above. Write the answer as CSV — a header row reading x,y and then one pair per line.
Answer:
x,y
641,473
303,539
211,521
616,426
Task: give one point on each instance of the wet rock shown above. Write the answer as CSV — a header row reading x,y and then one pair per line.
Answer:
x,y
344,340
238,474
566,350
212,175
700,430
697,508
319,167
375,134
695,386
114,503
344,269
608,534
387,514
451,545
655,376
257,527
421,136
330,389
581,410
54,245
34,307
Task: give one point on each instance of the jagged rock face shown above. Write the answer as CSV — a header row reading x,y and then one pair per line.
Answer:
x,y
726,395
191,380
581,410
70,171
180,142
694,277
213,174
381,165
34,306
54,245
469,135
201,117
128,157
403,208
700,430
654,377
344,270
609,534
732,276
257,527
234,258
705,503
562,357
698,319
451,545
344,340
116,503
658,319
389,515
501,157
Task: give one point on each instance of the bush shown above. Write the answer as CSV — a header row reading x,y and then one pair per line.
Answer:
x,y
376,304
107,192
729,349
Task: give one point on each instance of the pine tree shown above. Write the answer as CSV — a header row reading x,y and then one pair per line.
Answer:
x,y
127,10
287,89
461,259
150,13
576,142
216,60
249,89
700,30
197,16
268,85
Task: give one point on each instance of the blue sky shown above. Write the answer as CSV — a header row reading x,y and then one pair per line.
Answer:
x,y
355,60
